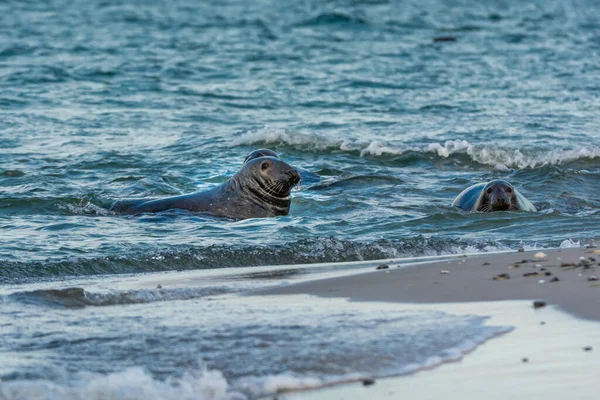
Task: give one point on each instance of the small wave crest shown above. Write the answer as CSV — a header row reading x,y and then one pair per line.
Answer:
x,y
77,297
306,251
499,158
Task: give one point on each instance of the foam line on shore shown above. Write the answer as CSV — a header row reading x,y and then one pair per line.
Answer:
x,y
549,355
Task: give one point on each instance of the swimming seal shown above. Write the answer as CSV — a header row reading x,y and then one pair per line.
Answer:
x,y
306,177
260,189
497,195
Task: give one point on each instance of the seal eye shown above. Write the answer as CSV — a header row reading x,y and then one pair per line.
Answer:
x,y
489,191
508,190
264,166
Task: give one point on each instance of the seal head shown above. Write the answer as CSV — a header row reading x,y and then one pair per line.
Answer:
x,y
306,177
497,195
268,182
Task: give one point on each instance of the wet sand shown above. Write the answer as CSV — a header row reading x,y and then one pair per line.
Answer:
x,y
561,278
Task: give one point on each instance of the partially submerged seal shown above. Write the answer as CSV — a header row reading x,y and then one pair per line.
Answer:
x,y
497,195
261,188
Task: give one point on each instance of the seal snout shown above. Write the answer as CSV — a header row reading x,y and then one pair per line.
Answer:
x,y
294,176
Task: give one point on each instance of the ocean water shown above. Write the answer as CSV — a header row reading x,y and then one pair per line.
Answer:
x,y
398,106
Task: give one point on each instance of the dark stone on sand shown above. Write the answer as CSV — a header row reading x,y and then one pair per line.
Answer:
x,y
159,286
587,348
592,278
485,263
555,279
564,265
521,250
501,277
383,266
368,382
539,304
530,274
542,323
525,359
548,273
444,39
592,259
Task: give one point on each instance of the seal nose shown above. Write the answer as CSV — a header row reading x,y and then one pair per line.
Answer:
x,y
501,201
294,176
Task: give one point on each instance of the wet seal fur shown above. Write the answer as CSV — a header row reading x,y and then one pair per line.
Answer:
x,y
497,195
306,177
260,189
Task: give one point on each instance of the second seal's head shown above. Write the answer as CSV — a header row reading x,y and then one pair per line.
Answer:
x,y
497,195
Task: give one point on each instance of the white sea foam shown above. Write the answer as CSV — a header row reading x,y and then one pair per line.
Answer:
x,y
569,243
499,158
130,384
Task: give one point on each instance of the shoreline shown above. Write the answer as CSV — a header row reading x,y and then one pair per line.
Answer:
x,y
552,352
545,356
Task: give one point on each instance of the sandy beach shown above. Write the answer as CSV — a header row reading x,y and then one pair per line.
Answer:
x,y
550,297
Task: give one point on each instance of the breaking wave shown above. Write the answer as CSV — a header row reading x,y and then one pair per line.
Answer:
x,y
133,383
499,158
77,297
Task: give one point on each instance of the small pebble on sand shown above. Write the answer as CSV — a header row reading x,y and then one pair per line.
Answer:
x,y
587,348
383,266
525,359
592,278
539,304
485,263
540,255
565,265
521,250
444,272
501,277
159,286
368,382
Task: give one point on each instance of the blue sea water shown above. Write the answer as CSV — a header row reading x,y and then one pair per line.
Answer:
x,y
104,100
